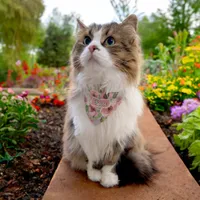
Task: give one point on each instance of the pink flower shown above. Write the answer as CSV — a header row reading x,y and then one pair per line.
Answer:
x,y
18,63
24,94
19,97
92,111
1,89
154,85
107,111
94,93
10,91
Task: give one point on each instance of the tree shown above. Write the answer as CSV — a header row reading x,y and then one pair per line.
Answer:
x,y
184,14
123,8
55,50
153,30
19,23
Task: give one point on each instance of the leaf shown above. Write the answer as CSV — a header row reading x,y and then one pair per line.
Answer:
x,y
194,148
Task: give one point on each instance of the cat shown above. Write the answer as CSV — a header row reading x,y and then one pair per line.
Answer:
x,y
101,134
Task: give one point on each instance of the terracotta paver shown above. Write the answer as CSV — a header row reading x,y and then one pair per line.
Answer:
x,y
174,182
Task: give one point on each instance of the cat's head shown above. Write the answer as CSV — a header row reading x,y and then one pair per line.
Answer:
x,y
110,50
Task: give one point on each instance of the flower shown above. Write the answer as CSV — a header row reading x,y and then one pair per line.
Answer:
x,y
18,63
182,82
197,65
10,91
57,102
19,97
24,94
172,88
154,85
94,93
106,111
4,98
1,89
186,91
187,107
92,111
35,106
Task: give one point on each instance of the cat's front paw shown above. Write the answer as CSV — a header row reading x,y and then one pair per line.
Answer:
x,y
94,175
109,179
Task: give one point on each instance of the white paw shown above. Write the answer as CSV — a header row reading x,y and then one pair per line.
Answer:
x,y
109,179
94,175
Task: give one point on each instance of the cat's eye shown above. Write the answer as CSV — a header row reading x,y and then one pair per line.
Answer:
x,y
110,41
87,40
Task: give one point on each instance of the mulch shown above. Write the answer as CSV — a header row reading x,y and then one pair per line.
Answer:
x,y
28,176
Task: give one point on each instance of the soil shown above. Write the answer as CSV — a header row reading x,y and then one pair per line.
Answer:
x,y
165,122
28,176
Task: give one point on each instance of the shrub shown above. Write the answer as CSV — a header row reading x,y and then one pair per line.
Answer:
x,y
17,118
190,136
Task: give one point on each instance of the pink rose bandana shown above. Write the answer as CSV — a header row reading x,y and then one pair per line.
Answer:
x,y
100,105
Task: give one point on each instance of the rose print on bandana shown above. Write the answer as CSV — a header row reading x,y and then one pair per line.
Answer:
x,y
92,111
100,105
107,111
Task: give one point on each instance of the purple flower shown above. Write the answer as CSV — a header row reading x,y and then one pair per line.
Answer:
x,y
24,94
176,112
190,105
42,97
187,107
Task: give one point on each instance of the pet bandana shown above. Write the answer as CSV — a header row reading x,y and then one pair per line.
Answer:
x,y
99,105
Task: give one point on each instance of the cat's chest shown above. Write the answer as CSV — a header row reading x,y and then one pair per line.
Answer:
x,y
113,122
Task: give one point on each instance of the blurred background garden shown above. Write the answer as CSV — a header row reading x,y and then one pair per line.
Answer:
x,y
36,38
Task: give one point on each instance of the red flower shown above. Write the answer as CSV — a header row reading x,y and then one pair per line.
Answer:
x,y
197,65
184,70
35,71
57,102
35,106
25,67
55,96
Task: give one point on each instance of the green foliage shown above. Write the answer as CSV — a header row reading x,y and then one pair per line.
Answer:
x,y
184,14
189,138
167,58
55,50
17,118
152,31
19,25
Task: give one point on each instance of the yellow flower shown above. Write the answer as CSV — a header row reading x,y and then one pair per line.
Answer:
x,y
172,88
187,59
186,91
189,83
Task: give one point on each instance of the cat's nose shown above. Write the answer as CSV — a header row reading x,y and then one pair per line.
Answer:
x,y
92,48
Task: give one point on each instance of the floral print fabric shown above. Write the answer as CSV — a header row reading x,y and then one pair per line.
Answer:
x,y
100,105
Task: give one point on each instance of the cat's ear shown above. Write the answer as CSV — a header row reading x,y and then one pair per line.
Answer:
x,y
80,25
131,20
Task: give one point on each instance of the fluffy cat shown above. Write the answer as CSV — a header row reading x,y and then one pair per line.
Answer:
x,y
101,134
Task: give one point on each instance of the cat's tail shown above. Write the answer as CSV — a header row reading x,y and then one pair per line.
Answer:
x,y
135,167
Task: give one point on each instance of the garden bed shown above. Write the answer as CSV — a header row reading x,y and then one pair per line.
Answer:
x,y
28,176
165,122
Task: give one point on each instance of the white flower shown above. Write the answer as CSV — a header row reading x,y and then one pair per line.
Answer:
x,y
4,98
